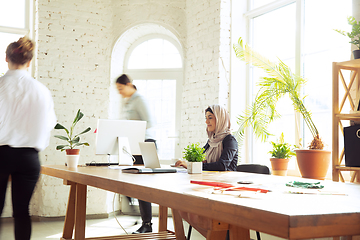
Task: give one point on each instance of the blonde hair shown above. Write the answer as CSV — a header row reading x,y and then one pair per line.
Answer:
x,y
20,52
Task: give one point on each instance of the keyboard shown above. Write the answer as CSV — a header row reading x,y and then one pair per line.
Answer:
x,y
100,164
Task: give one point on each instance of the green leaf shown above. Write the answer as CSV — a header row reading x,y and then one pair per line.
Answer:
x,y
85,131
76,140
79,144
59,126
60,147
79,115
62,137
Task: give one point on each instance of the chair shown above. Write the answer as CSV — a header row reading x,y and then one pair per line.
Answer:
x,y
250,168
253,168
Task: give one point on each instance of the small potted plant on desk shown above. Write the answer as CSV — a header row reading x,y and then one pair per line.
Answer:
x,y
280,154
73,140
195,156
354,35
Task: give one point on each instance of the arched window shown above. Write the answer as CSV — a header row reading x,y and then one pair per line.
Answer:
x,y
155,53
155,65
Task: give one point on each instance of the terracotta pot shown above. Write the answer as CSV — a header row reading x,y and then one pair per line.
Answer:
x,y
279,166
313,163
72,151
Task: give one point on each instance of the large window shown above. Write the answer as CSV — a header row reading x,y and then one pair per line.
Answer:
x,y
300,33
15,22
155,65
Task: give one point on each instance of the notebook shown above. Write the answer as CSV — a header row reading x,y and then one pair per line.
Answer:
x,y
151,161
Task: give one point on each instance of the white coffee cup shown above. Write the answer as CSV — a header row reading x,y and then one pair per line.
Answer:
x,y
72,161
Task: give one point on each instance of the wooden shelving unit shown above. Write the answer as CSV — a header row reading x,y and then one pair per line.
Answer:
x,y
350,85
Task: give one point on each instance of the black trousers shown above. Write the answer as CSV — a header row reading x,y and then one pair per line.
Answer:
x,y
23,165
145,207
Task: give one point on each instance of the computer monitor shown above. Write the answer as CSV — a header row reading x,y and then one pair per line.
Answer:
x,y
109,130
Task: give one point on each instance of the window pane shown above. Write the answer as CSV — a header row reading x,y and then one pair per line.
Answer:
x,y
161,95
273,35
12,13
155,53
5,40
322,46
274,38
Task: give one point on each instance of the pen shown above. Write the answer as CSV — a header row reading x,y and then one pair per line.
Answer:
x,y
248,189
213,184
320,193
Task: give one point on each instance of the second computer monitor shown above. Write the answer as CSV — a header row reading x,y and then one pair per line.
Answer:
x,y
109,130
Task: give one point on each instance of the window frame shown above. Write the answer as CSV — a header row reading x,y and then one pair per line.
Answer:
x,y
249,16
299,65
28,30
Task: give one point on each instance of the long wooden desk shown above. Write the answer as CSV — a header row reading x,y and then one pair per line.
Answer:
x,y
290,216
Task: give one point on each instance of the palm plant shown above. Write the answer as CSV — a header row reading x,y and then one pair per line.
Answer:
x,y
72,139
281,81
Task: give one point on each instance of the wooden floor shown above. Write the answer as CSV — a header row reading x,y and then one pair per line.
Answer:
x,y
52,230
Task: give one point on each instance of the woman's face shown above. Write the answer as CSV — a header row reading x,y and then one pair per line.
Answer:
x,y
124,90
210,121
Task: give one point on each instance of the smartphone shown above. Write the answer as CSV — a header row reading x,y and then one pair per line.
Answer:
x,y
244,182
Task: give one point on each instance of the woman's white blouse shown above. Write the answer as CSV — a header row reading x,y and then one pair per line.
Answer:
x,y
26,111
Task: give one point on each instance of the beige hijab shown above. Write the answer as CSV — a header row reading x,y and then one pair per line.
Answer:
x,y
222,129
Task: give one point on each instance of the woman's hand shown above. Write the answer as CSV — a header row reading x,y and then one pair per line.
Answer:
x,y
181,164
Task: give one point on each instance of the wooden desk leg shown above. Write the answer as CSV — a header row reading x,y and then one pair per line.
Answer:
x,y
80,212
178,225
236,232
163,214
217,230
216,235
70,214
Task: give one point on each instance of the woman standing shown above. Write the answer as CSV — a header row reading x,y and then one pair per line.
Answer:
x,y
136,108
26,119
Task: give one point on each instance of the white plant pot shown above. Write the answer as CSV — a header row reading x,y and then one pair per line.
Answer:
x,y
72,161
194,167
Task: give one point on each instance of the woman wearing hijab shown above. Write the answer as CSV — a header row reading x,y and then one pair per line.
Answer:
x,y
221,155
221,148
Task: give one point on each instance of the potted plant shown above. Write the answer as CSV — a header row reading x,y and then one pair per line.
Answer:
x,y
73,141
354,35
195,155
280,155
280,82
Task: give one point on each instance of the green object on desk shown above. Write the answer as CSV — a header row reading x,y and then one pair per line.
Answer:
x,y
297,184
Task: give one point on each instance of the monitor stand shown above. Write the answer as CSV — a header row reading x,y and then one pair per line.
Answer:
x,y
125,157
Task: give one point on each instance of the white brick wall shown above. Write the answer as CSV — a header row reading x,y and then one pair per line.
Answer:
x,y
205,77
75,40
